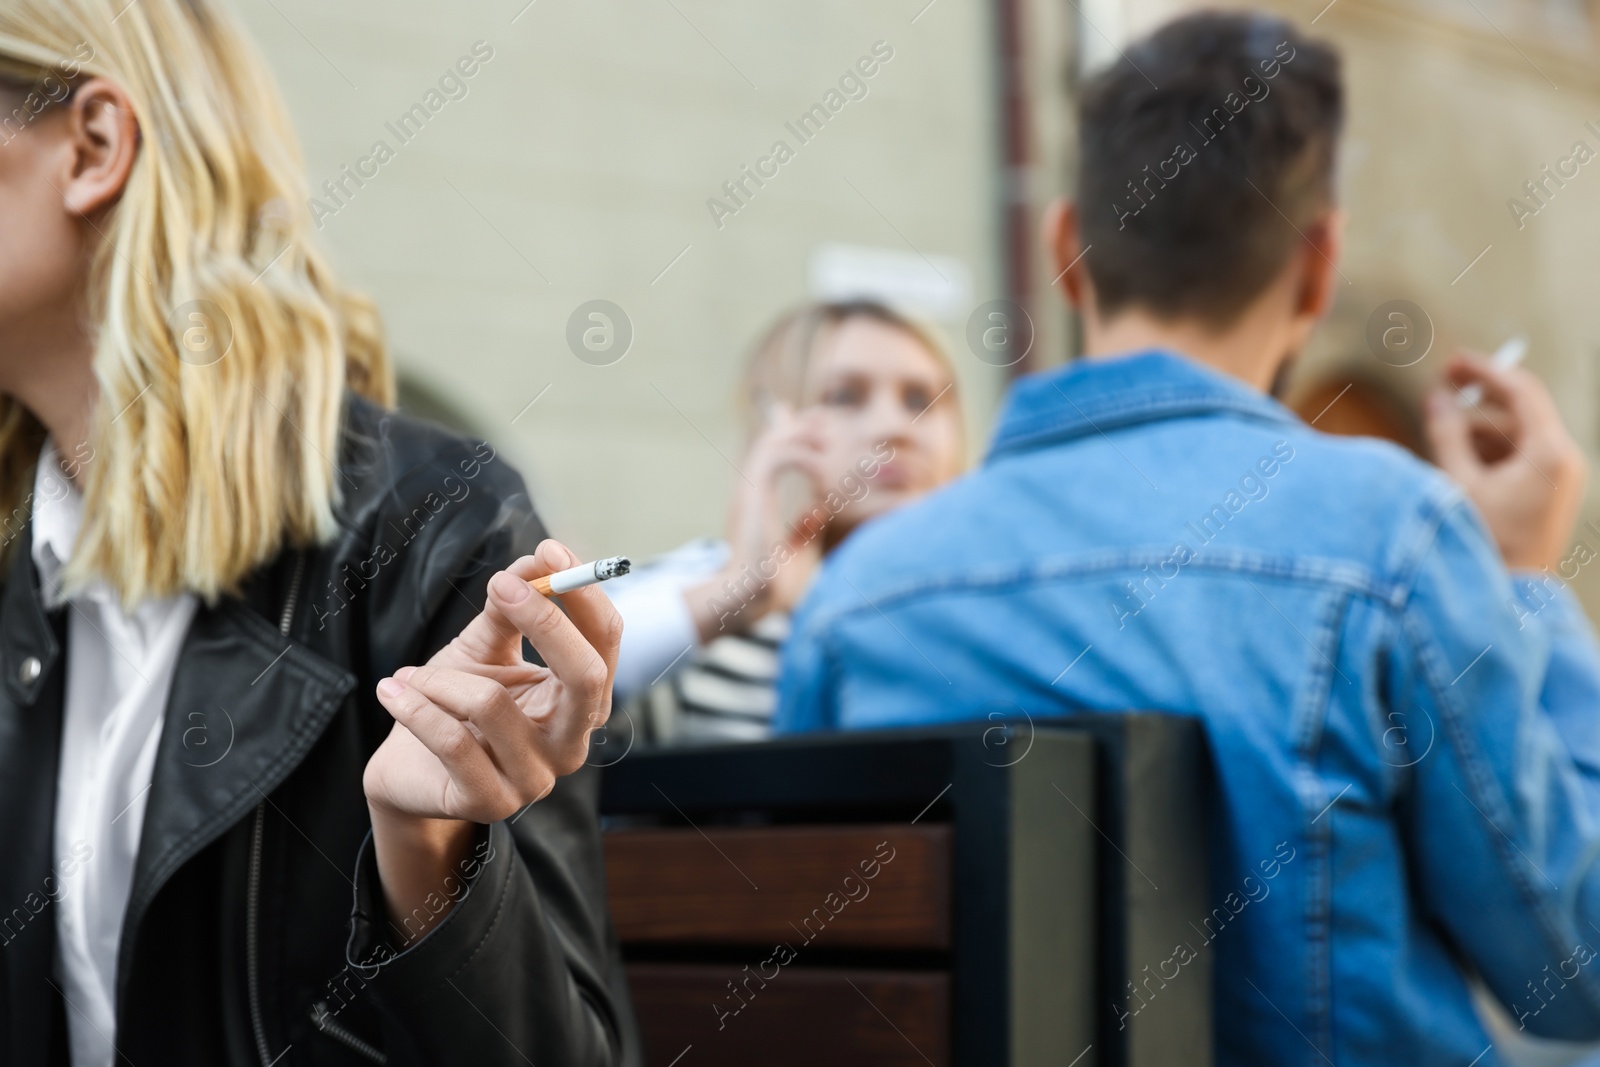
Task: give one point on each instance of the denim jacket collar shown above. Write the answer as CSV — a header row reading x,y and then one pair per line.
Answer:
x,y
1097,395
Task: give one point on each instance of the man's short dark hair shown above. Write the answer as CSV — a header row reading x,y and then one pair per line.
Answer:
x,y
1205,152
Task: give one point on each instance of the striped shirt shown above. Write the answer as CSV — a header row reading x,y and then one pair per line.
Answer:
x,y
726,691
672,688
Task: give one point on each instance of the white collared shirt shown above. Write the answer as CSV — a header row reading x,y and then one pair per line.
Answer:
x,y
658,629
119,669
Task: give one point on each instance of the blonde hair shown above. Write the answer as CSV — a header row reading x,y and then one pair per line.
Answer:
x,y
779,367
200,472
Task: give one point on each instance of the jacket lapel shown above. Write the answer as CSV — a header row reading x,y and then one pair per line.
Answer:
x,y
247,704
30,732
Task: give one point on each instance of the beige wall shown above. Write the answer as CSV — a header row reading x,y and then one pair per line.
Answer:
x,y
578,167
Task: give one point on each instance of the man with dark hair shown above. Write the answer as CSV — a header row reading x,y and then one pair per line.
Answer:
x,y
1185,189
1400,705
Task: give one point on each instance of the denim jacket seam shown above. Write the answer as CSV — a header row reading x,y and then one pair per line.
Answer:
x,y
1199,401
1581,872
1492,803
1317,697
1308,734
1337,574
1434,510
1022,436
1200,387
1379,718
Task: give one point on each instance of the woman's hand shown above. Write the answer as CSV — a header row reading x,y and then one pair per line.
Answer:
x,y
480,733
762,575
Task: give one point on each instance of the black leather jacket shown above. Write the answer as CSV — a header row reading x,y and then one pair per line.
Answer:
x,y
255,933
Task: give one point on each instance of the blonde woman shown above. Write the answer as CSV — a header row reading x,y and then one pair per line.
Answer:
x,y
854,405
276,783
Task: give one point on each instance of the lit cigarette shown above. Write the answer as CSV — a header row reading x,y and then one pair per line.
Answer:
x,y
585,574
1505,357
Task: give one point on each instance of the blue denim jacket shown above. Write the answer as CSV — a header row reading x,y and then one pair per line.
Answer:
x,y
1406,738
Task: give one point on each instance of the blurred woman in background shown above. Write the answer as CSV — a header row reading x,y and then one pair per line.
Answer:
x,y
236,816
850,411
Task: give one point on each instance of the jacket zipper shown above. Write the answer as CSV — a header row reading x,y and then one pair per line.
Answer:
x,y
323,1019
252,899
320,1016
294,593
252,908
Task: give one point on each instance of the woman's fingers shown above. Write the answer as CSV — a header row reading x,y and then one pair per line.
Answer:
x,y
785,426
513,610
509,735
480,788
491,638
579,645
767,462
573,656
590,610
495,755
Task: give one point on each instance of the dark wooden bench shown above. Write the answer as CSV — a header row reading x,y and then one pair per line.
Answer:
x,y
981,894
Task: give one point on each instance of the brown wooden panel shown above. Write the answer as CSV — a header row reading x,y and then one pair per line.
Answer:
x,y
802,1016
759,886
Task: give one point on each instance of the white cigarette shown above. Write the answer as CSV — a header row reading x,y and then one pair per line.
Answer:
x,y
1505,357
585,574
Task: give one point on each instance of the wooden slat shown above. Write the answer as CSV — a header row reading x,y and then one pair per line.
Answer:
x,y
801,1018
760,886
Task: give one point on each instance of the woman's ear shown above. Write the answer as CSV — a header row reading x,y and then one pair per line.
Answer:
x,y
103,139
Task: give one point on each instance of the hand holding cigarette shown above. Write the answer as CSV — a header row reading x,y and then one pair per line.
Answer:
x,y
480,732
1505,357
1522,470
